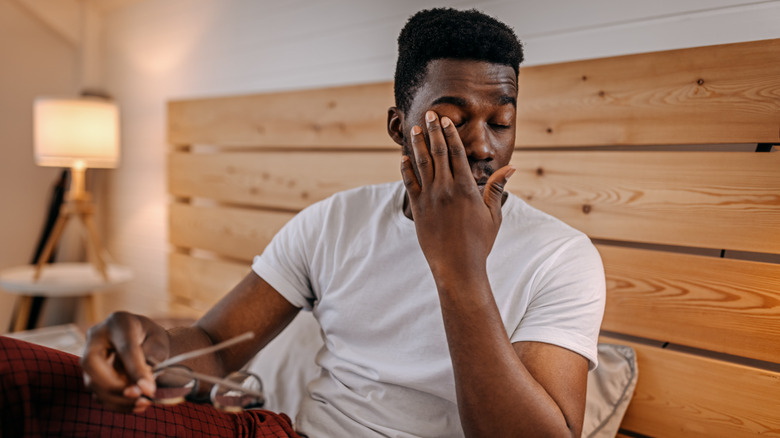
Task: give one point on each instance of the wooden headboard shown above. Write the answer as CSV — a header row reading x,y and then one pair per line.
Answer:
x,y
665,159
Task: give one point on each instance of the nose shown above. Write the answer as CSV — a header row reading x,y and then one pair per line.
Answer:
x,y
476,141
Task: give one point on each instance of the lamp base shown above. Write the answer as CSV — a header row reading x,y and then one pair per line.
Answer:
x,y
83,208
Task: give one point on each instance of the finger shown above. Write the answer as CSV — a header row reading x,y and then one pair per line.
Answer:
x,y
97,363
141,405
117,402
410,179
459,162
439,152
494,189
127,336
421,157
115,398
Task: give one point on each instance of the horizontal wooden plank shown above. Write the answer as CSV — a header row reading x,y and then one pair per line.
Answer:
x,y
722,200
705,95
290,180
349,116
723,305
233,232
684,395
679,198
200,283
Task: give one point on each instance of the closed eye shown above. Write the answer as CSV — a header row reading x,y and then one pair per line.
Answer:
x,y
457,121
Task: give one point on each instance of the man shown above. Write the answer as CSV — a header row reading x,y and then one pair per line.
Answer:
x,y
448,306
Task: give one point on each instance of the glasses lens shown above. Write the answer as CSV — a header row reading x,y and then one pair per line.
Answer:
x,y
174,384
242,390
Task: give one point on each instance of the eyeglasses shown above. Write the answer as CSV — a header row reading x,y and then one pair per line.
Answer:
x,y
175,383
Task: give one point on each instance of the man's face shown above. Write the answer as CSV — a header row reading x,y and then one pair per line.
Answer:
x,y
480,99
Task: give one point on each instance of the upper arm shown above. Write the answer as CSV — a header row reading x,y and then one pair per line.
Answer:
x,y
252,305
562,373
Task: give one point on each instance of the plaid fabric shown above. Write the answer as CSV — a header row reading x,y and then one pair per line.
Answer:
x,y
42,394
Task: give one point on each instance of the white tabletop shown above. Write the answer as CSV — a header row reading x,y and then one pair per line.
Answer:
x,y
62,279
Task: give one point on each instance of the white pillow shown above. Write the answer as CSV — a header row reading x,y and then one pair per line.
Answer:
x,y
610,387
286,365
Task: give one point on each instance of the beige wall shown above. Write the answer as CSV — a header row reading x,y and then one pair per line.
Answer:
x,y
35,61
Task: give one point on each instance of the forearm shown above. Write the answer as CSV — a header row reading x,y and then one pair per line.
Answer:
x,y
186,339
497,395
252,306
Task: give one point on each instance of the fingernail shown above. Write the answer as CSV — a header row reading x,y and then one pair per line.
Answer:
x,y
132,392
445,122
430,116
510,172
147,386
416,130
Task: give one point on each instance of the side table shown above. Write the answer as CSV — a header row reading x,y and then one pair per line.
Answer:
x,y
60,280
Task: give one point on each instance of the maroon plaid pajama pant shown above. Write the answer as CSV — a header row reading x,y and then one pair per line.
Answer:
x,y
42,394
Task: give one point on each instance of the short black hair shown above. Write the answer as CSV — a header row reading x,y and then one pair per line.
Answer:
x,y
446,33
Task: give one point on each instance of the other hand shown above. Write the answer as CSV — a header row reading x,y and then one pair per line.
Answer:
x,y
115,362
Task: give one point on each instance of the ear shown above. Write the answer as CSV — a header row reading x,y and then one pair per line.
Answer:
x,y
395,125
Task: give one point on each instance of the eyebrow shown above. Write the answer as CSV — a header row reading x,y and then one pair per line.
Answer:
x,y
459,101
506,99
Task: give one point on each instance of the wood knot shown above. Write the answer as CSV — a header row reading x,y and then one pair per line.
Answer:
x,y
586,208
549,130
584,78
540,171
700,82
602,93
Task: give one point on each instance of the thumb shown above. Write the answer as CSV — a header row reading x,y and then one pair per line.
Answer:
x,y
494,189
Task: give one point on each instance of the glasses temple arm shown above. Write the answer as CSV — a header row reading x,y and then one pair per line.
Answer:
x,y
206,350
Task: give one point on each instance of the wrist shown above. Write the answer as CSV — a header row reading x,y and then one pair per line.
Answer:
x,y
462,277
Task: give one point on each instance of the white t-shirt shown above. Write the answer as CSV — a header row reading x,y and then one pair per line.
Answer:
x,y
355,262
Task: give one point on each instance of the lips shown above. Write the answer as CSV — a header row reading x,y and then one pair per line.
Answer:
x,y
481,183
481,171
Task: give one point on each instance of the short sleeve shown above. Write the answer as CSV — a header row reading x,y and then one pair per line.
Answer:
x,y
285,262
568,305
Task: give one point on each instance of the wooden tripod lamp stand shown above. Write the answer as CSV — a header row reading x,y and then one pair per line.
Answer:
x,y
76,133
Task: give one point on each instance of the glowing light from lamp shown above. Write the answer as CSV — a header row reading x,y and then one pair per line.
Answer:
x,y
76,133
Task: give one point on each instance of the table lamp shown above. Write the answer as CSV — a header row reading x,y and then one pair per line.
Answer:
x,y
76,133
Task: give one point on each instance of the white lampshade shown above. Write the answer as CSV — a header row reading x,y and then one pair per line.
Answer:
x,y
76,132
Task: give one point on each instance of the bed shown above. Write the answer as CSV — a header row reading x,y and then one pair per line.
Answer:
x,y
666,160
